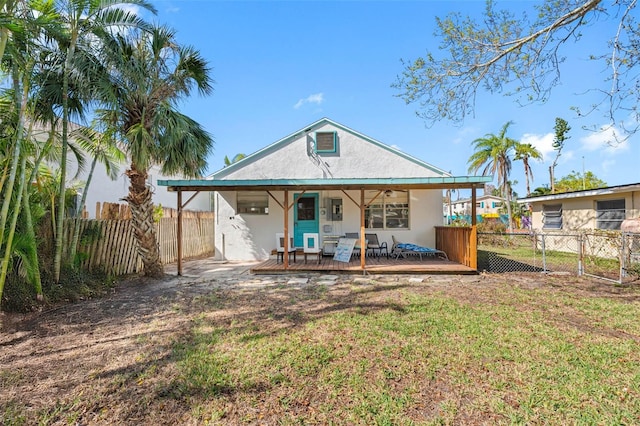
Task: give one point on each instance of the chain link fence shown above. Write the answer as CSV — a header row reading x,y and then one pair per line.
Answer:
x,y
610,255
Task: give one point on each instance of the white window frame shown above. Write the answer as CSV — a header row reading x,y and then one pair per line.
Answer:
x,y
392,207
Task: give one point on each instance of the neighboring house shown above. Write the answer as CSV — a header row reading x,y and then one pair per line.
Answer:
x,y
323,172
102,189
486,206
603,208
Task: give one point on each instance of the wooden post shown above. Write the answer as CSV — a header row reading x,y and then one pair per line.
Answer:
x,y
363,245
285,255
473,238
179,232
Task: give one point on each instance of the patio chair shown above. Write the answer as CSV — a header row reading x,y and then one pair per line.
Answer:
x,y
280,248
356,248
373,244
404,249
311,245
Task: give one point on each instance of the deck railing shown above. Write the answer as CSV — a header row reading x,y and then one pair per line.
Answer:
x,y
460,243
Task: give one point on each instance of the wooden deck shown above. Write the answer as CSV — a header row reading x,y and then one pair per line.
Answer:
x,y
374,265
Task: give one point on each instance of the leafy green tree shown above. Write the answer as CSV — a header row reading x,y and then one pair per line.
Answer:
x,y
151,74
524,152
561,129
492,153
576,181
523,56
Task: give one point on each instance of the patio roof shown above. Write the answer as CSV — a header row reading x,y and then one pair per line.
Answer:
x,y
326,184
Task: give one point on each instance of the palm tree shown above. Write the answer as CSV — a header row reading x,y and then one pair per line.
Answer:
x,y
523,152
151,73
235,159
103,149
83,23
493,155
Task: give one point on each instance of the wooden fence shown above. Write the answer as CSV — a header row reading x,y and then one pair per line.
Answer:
x,y
111,246
460,243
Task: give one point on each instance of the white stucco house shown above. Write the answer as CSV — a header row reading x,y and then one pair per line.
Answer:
x,y
328,179
487,205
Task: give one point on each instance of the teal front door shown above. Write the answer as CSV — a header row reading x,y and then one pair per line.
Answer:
x,y
305,216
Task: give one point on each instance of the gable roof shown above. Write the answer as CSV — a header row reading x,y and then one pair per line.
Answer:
x,y
222,173
584,193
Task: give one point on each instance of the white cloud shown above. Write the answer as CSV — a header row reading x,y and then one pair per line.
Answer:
x,y
607,140
543,143
316,98
464,135
608,165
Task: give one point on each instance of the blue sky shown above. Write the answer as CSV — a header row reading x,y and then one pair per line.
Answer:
x,y
279,66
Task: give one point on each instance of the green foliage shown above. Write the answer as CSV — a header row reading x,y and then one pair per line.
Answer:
x,y
561,129
75,284
541,190
236,158
158,212
459,222
576,181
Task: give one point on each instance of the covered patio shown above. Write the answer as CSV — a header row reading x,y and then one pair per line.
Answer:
x,y
460,243
373,265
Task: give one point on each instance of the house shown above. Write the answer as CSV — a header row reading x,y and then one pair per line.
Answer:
x,y
328,179
102,189
486,205
603,208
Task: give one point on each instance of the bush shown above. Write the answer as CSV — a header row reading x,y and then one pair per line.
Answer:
x,y
492,226
74,285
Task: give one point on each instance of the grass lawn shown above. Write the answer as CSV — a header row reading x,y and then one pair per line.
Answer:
x,y
512,349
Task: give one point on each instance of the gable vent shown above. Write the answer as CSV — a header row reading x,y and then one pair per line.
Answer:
x,y
326,142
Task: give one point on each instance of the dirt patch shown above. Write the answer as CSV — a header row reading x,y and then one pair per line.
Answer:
x,y
85,354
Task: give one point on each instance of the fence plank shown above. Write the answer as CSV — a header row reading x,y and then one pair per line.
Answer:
x,y
116,249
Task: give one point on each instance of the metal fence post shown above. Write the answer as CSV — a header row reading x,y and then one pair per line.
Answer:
x,y
544,255
623,257
580,254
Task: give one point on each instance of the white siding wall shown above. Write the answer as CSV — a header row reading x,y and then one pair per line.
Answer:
x,y
252,237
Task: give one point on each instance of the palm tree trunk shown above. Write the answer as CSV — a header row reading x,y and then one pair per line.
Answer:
x,y
76,229
32,251
507,196
526,174
141,206
59,235
20,99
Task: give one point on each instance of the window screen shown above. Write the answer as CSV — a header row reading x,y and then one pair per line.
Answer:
x,y
610,214
326,142
552,216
